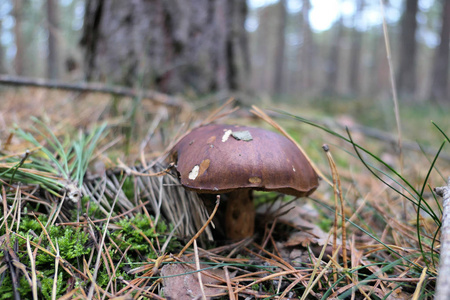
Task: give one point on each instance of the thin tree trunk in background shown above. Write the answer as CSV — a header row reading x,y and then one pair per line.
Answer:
x,y
261,54
406,78
307,55
238,48
279,49
355,52
332,66
18,33
2,54
440,77
53,55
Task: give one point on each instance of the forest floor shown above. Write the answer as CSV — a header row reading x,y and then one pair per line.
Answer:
x,y
79,207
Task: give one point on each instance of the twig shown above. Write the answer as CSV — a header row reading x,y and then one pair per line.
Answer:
x,y
443,281
230,289
154,96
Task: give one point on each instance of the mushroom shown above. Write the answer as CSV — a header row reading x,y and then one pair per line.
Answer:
x,y
217,159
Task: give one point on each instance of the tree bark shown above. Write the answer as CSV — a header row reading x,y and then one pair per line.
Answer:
x,y
170,45
307,55
279,49
18,33
53,55
332,66
406,78
2,56
440,77
355,52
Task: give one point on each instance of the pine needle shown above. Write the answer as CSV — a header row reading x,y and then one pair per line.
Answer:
x,y
201,229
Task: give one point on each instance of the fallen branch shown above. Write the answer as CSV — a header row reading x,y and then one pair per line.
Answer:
x,y
157,97
443,281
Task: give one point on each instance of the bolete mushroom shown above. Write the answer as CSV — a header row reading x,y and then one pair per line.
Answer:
x,y
218,159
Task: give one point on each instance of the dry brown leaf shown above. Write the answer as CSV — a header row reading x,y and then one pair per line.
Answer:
x,y
298,214
303,238
181,284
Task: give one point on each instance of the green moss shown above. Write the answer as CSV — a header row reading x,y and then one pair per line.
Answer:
x,y
132,232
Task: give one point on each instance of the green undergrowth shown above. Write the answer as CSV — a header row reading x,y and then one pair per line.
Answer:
x,y
72,244
421,206
76,245
51,178
393,218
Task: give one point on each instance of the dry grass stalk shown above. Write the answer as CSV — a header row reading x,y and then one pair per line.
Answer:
x,y
338,193
261,114
55,280
197,265
33,270
419,284
97,264
202,228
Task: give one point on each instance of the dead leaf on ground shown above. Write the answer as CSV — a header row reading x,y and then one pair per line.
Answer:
x,y
185,286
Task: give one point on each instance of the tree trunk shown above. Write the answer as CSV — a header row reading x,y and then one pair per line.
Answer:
x,y
18,33
332,66
2,55
53,55
307,55
439,84
406,78
170,45
279,49
355,53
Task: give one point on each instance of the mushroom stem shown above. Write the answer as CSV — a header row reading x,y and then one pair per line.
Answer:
x,y
240,215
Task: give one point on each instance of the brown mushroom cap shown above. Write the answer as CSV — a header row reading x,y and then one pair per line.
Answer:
x,y
211,159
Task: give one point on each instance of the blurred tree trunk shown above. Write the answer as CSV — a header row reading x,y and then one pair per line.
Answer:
x,y
170,45
355,52
279,49
307,55
2,54
18,33
439,84
406,77
53,55
332,65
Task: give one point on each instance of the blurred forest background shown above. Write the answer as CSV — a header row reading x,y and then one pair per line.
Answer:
x,y
293,49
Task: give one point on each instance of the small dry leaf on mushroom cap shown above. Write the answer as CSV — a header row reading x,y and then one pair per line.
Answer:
x,y
211,159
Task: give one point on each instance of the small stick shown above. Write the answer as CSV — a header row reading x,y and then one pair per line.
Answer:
x,y
443,281
230,289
